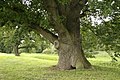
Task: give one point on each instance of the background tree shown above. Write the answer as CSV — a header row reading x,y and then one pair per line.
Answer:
x,y
20,40
33,43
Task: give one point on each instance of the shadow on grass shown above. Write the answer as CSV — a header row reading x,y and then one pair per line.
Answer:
x,y
97,73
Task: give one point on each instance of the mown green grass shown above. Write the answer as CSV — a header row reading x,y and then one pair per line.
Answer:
x,y
36,67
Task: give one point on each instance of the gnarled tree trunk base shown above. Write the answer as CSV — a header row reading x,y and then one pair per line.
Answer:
x,y
71,57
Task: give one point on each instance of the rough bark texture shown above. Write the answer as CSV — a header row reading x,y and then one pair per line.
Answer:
x,y
69,40
46,33
70,51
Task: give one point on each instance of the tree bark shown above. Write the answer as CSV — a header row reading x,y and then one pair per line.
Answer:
x,y
44,32
16,50
69,44
70,51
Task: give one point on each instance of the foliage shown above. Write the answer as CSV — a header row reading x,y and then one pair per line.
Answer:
x,y
26,40
33,43
100,28
17,13
108,30
5,41
24,14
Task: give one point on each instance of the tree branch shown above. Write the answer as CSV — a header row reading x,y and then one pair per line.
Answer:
x,y
52,7
45,33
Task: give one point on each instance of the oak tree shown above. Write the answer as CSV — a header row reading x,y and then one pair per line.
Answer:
x,y
57,20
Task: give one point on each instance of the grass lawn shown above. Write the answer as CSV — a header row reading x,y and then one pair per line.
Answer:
x,y
36,67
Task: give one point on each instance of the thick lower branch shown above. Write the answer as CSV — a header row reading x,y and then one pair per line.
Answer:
x,y
45,33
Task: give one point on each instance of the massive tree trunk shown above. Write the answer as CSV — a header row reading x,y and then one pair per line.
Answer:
x,y
71,56
69,46
70,50
69,42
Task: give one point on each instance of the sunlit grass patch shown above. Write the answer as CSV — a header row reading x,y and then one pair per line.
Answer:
x,y
36,67
42,56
